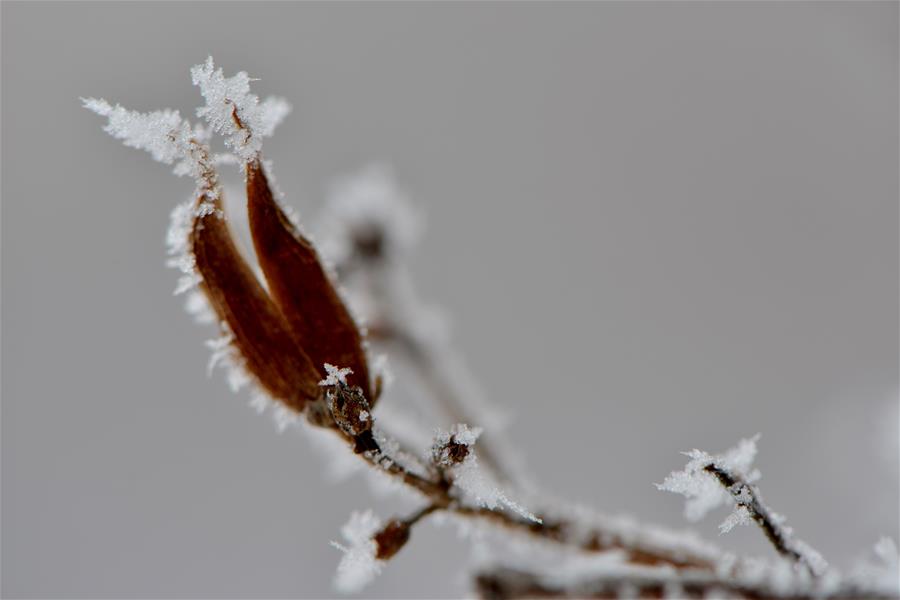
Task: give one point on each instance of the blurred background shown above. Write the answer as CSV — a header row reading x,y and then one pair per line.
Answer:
x,y
653,227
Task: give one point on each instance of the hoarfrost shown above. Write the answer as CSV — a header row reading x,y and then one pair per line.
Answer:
x,y
234,112
283,416
358,566
221,350
198,307
335,375
163,133
884,571
476,484
382,369
740,516
886,550
702,490
259,402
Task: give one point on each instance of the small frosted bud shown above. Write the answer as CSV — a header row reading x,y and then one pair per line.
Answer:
x,y
350,409
391,539
453,447
450,453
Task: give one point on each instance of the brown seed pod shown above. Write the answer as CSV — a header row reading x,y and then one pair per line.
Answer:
x,y
271,352
301,288
392,537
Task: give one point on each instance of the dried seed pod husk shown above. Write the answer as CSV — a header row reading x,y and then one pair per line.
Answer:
x,y
392,537
271,353
300,286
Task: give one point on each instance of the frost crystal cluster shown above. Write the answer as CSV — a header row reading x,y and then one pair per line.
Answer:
x,y
701,489
358,566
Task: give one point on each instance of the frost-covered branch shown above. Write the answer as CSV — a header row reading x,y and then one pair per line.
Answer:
x,y
509,584
709,481
165,135
749,505
456,486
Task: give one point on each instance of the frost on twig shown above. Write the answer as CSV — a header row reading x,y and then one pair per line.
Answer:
x,y
702,491
710,481
454,451
372,542
626,581
163,133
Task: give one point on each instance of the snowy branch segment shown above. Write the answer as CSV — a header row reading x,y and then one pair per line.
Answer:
x,y
235,113
710,481
701,489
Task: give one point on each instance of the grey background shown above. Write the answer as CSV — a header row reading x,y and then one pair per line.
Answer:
x,y
655,226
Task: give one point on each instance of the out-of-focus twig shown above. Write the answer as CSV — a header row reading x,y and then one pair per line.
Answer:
x,y
509,584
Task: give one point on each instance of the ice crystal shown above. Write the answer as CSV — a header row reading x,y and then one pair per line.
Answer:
x,y
336,376
358,566
740,516
163,133
701,489
477,485
234,112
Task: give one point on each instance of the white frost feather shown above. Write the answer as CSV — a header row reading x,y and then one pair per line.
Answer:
x,y
336,375
477,485
358,566
701,489
230,96
740,516
162,133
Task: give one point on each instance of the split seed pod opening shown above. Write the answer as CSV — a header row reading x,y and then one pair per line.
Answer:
x,y
285,335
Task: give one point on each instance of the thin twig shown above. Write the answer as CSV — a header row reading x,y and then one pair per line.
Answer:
x,y
747,496
509,584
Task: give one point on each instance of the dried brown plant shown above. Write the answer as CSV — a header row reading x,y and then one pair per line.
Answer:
x,y
296,339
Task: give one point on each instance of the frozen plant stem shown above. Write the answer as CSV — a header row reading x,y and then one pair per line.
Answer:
x,y
510,584
747,496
